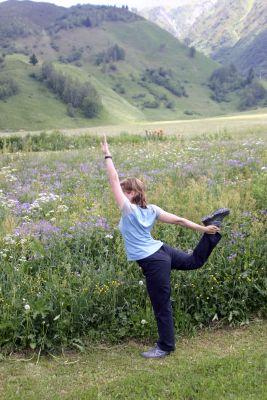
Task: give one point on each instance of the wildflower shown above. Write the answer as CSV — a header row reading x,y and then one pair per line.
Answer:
x,y
62,208
9,239
141,283
49,212
27,307
215,318
143,322
109,236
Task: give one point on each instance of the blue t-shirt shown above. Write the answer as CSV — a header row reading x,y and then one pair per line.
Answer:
x,y
135,226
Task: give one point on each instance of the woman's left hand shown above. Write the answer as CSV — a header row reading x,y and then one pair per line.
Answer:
x,y
211,229
104,146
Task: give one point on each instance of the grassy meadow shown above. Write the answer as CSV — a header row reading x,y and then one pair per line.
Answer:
x,y
214,364
65,280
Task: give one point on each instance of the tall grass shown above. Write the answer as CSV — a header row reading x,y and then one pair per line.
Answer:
x,y
64,275
57,141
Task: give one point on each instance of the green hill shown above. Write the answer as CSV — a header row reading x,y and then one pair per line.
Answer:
x,y
139,71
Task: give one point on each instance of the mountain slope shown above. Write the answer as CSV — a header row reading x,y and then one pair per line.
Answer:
x,y
215,27
249,52
139,70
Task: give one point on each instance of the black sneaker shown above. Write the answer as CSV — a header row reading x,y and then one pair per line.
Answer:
x,y
216,217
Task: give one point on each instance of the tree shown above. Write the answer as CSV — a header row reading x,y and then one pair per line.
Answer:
x,y
87,22
250,77
8,87
91,107
191,52
2,59
33,59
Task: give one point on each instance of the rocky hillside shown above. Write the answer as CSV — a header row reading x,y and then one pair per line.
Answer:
x,y
227,30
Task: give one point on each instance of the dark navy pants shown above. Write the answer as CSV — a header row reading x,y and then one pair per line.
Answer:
x,y
157,270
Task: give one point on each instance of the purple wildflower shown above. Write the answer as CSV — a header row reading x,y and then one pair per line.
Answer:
x,y
40,229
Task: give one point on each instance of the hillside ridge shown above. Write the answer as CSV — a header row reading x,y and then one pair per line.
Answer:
x,y
217,28
94,65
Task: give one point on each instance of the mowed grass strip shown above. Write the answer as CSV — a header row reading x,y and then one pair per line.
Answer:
x,y
223,364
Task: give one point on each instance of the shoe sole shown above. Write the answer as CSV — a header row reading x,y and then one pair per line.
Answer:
x,y
221,212
155,357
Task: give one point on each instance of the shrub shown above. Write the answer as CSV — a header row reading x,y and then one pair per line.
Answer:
x,y
71,91
91,107
151,104
226,80
8,87
164,78
252,96
119,88
112,54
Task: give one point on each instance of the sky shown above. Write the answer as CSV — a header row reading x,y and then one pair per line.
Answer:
x,y
139,4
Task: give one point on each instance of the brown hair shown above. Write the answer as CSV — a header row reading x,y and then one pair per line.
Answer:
x,y
134,184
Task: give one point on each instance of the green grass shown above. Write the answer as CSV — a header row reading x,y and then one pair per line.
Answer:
x,y
35,107
236,124
72,305
219,365
188,176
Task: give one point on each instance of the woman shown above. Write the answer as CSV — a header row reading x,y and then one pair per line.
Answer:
x,y
154,257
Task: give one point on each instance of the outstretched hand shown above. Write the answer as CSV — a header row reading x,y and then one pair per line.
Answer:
x,y
104,146
212,229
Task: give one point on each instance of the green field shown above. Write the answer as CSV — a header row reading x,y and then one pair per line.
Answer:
x,y
74,313
235,123
65,277
219,365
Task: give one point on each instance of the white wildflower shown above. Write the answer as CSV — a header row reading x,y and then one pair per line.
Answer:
x,y
26,218
143,322
27,307
8,239
62,208
215,318
49,212
141,283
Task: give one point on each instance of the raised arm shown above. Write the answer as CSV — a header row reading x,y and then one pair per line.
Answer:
x,y
112,175
174,219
